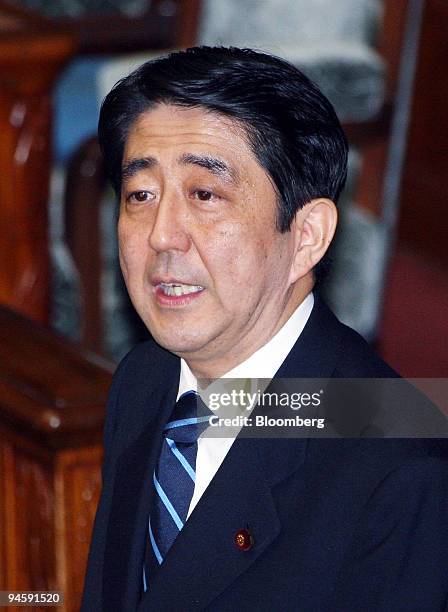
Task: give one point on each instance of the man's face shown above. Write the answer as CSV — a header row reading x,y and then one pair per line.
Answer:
x,y
203,262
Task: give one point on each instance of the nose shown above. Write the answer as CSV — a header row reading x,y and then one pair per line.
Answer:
x,y
169,230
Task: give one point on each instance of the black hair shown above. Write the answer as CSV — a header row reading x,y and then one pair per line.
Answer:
x,y
291,126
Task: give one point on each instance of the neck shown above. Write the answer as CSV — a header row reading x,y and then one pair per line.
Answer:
x,y
208,368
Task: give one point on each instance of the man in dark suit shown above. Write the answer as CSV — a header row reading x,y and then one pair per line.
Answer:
x,y
228,164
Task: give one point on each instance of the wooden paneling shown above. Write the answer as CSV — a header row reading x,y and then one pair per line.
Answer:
x,y
77,486
29,504
52,399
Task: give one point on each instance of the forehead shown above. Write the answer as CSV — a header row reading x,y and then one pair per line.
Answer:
x,y
167,128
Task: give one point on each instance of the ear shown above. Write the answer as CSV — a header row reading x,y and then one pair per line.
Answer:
x,y
314,226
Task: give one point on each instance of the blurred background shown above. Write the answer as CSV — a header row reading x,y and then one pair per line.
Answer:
x,y
65,319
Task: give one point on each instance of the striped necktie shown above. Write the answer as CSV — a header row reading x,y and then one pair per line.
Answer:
x,y
174,479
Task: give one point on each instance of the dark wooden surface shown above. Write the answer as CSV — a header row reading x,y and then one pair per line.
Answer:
x,y
423,224
30,60
48,386
52,404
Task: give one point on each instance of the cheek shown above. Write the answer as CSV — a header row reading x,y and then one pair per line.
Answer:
x,y
260,261
228,248
131,249
237,258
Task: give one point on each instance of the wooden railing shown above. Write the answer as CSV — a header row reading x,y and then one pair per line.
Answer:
x,y
52,400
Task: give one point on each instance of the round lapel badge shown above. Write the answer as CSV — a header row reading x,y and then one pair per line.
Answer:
x,y
244,540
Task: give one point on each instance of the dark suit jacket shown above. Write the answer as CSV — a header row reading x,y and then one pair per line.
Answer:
x,y
338,524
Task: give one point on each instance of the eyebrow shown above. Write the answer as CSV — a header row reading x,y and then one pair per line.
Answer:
x,y
212,164
133,166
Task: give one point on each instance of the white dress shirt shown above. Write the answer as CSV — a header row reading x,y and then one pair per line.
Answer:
x,y
263,364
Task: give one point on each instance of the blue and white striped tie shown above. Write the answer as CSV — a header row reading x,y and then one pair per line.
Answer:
x,y
174,479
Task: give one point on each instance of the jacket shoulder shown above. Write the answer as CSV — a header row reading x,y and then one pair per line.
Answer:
x,y
141,374
356,358
335,349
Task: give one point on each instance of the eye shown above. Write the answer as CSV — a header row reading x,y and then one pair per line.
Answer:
x,y
203,195
140,196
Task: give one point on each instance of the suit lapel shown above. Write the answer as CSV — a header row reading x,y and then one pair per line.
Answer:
x,y
204,560
127,527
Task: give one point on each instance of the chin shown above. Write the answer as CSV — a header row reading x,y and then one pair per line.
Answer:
x,y
181,344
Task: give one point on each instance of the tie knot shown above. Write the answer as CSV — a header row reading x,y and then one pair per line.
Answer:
x,y
190,417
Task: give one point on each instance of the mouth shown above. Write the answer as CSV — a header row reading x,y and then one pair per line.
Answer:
x,y
176,293
178,289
